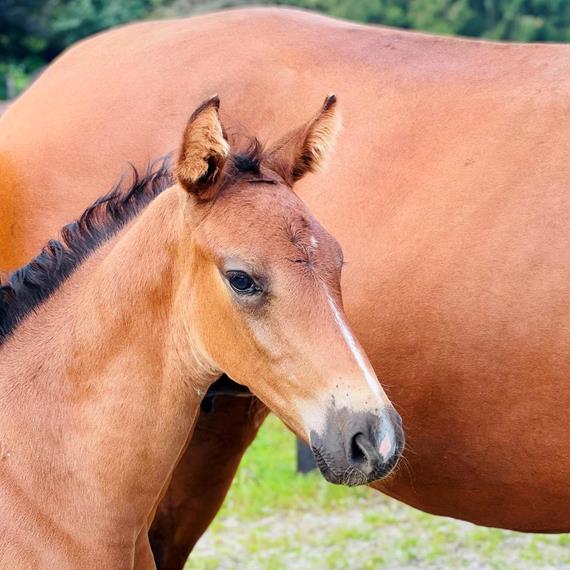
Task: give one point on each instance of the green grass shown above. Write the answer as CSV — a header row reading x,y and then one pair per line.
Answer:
x,y
276,519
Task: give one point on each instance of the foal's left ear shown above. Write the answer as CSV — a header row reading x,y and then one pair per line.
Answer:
x,y
306,148
204,150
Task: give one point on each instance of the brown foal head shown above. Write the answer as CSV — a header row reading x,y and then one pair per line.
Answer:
x,y
263,300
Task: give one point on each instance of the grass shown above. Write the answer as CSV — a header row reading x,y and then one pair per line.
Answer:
x,y
276,519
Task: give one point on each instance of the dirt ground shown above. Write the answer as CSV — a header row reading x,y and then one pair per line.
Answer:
x,y
372,534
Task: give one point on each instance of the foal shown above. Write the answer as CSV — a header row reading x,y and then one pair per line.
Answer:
x,y
111,338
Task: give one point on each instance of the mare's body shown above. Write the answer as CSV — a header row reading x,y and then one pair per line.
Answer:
x,y
449,193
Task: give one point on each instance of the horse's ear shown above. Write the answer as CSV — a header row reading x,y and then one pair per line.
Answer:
x,y
204,150
306,148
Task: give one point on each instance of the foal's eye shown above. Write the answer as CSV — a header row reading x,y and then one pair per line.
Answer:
x,y
242,283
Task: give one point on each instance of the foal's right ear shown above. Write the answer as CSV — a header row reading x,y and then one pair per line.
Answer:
x,y
204,150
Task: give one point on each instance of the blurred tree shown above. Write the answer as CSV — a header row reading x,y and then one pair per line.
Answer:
x,y
72,20
33,32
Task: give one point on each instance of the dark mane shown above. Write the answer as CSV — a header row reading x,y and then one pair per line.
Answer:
x,y
28,286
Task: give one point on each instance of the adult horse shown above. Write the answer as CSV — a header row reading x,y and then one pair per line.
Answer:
x,y
448,192
110,337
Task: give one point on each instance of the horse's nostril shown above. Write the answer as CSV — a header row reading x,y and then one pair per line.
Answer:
x,y
357,450
363,454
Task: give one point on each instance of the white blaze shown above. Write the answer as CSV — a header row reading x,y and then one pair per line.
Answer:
x,y
354,349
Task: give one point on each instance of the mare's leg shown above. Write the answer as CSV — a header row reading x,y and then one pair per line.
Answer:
x,y
203,476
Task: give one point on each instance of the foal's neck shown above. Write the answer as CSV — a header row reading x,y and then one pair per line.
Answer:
x,y
103,382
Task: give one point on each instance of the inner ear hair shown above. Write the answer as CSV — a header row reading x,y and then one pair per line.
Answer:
x,y
204,149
